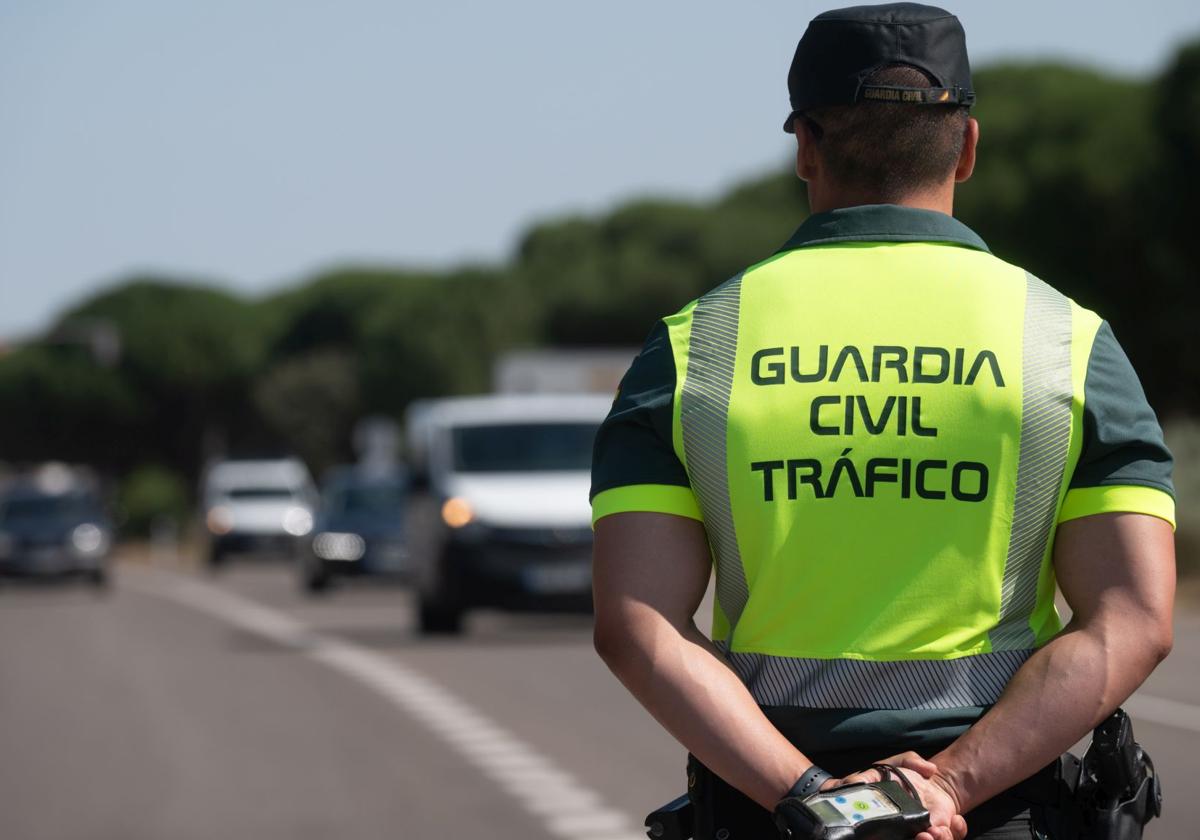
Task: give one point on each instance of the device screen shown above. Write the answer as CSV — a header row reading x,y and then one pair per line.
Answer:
x,y
864,803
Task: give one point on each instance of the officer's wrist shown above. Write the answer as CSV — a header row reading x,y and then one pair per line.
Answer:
x,y
951,783
956,782
809,782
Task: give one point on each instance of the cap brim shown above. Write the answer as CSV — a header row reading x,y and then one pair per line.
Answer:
x,y
788,123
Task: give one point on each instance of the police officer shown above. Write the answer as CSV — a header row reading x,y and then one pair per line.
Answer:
x,y
890,444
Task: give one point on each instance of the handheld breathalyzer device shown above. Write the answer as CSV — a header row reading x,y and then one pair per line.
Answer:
x,y
885,810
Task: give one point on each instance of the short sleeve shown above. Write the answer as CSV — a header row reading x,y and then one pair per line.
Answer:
x,y
634,465
1124,465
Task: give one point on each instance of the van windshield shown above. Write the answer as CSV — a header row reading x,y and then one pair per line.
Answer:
x,y
524,447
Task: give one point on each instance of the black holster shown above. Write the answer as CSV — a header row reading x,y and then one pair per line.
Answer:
x,y
1113,791
1127,819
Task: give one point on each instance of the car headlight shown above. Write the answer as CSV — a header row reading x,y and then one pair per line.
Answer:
x,y
457,513
335,546
297,521
89,539
219,520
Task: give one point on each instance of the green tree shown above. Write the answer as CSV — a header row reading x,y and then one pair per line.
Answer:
x,y
149,495
189,352
60,405
310,402
606,281
1173,184
441,335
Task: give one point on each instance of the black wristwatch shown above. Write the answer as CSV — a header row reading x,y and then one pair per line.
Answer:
x,y
809,782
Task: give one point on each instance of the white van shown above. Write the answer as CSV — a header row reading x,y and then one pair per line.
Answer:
x,y
257,506
500,510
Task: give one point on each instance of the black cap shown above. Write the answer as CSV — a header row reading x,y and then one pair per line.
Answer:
x,y
841,48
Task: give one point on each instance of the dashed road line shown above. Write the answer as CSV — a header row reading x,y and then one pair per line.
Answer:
x,y
564,805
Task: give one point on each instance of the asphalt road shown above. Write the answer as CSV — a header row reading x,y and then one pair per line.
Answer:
x,y
183,706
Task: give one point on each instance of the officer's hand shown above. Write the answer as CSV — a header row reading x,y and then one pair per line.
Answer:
x,y
936,794
945,821
907,760
911,761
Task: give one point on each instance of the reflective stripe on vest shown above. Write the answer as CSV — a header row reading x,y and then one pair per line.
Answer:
x,y
861,684
704,414
1045,439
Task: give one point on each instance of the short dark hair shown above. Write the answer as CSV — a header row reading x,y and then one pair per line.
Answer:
x,y
888,148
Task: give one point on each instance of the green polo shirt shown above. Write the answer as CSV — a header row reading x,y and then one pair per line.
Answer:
x,y
881,426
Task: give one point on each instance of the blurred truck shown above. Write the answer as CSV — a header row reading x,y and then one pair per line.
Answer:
x,y
499,513
585,371
257,506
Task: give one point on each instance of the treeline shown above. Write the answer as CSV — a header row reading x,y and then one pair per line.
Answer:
x,y
1086,179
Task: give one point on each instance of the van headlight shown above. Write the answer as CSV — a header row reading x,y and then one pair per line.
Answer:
x,y
219,520
297,521
89,540
457,512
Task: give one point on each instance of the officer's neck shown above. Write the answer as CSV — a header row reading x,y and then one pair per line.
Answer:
x,y
823,197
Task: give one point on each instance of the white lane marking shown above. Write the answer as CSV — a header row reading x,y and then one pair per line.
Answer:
x,y
565,807
1161,710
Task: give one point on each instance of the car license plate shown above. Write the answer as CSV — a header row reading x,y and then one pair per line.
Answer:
x,y
565,577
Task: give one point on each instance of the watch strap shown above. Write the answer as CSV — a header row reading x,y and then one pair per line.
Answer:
x,y
809,782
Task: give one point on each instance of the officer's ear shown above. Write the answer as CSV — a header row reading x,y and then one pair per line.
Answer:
x,y
807,155
966,157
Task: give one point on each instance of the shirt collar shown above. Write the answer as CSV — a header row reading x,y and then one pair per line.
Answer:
x,y
883,223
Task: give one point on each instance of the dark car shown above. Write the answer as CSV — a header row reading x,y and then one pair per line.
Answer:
x,y
359,529
54,531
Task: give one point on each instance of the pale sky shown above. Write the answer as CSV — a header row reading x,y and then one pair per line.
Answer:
x,y
252,143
